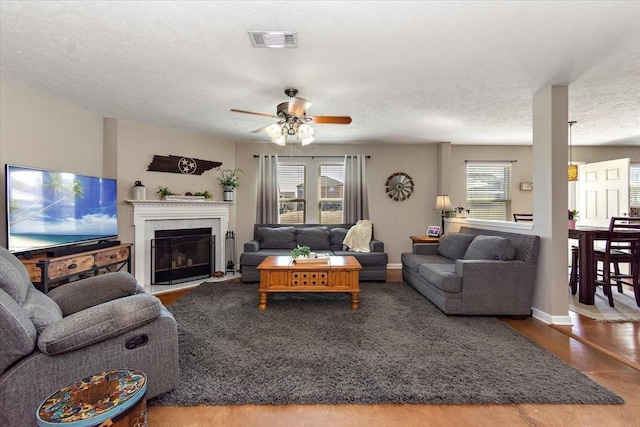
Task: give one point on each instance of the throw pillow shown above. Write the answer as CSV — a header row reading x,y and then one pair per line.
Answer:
x,y
277,237
491,247
454,245
317,238
337,237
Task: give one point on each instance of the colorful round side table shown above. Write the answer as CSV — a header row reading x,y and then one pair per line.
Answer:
x,y
111,398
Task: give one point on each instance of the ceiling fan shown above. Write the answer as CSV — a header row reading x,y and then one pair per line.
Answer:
x,y
293,120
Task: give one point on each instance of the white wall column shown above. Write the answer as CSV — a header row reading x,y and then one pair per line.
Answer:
x,y
550,129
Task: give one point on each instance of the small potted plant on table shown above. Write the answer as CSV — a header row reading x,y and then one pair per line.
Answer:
x,y
300,252
573,216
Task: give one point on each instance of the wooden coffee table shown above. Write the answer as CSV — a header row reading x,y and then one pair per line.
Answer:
x,y
282,274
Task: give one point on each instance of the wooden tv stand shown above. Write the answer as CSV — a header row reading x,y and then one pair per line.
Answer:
x,y
45,271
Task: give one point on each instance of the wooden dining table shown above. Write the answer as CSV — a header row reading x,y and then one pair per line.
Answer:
x,y
586,237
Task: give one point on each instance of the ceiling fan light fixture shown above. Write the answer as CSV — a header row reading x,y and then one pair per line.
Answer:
x,y
274,131
305,131
307,141
281,140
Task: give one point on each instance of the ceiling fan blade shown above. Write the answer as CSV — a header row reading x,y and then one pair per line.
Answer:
x,y
298,106
337,120
261,129
255,114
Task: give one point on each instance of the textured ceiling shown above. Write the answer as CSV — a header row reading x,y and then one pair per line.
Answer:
x,y
406,72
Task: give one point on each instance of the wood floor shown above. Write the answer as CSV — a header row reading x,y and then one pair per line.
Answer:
x,y
608,352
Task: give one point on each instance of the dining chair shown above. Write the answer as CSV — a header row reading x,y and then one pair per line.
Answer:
x,y
622,247
523,217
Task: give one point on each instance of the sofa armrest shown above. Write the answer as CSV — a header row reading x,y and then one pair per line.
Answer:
x,y
99,323
252,246
425,249
82,294
497,283
376,246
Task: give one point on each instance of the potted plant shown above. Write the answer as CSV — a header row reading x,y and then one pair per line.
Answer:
x,y
164,192
300,252
229,181
206,194
573,216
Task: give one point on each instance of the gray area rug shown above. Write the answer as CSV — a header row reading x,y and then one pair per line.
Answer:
x,y
398,348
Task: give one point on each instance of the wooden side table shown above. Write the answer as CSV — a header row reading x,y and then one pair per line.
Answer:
x,y
424,239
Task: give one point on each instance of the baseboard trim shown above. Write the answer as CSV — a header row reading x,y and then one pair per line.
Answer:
x,y
550,319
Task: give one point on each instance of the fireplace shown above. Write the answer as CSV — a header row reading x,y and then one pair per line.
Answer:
x,y
182,255
152,215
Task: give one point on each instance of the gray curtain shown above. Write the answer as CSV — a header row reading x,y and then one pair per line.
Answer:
x,y
267,209
356,200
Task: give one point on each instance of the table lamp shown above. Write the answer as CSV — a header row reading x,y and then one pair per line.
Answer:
x,y
443,203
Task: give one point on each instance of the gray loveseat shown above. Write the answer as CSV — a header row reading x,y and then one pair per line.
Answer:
x,y
279,239
78,329
476,272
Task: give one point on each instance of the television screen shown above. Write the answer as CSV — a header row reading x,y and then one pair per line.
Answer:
x,y
49,208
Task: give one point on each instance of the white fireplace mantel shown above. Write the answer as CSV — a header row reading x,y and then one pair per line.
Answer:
x,y
152,215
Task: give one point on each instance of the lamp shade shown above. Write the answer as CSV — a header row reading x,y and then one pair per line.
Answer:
x,y
281,140
443,203
274,131
572,172
305,131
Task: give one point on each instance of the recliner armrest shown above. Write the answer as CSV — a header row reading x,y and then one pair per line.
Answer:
x,y
252,246
99,323
82,294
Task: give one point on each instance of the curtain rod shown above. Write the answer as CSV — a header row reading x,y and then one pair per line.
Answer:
x,y
255,156
491,161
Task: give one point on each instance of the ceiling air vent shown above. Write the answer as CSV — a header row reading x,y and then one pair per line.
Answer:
x,y
273,39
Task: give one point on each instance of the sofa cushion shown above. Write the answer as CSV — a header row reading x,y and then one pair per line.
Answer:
x,y
277,237
490,247
366,258
414,261
317,238
18,336
14,278
454,245
253,259
42,310
337,235
442,276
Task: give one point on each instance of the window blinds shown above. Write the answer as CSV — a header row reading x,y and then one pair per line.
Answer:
x,y
489,190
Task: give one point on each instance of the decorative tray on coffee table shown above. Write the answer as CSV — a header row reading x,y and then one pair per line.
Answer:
x,y
311,260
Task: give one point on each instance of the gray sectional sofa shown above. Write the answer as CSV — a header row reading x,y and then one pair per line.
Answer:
x,y
279,239
475,272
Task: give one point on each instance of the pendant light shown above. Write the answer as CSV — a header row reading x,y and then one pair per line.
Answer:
x,y
572,171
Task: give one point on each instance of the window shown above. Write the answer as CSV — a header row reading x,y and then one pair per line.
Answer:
x,y
310,191
634,189
489,191
292,193
330,190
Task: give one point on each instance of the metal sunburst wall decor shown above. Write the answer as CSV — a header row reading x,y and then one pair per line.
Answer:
x,y
399,186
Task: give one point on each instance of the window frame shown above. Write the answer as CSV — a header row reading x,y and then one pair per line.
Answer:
x,y
480,206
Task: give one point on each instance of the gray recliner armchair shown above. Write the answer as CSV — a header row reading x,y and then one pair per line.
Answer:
x,y
78,329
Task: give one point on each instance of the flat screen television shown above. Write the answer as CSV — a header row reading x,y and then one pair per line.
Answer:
x,y
47,209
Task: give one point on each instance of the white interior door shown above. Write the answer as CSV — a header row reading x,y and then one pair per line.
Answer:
x,y
604,191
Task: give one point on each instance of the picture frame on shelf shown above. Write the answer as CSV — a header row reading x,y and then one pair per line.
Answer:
x,y
433,231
